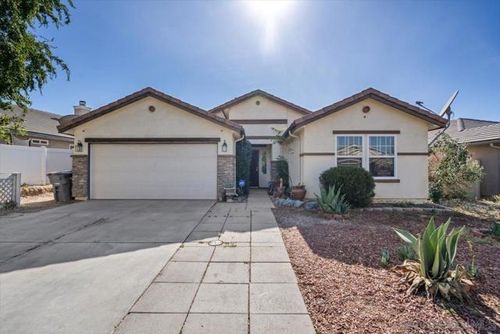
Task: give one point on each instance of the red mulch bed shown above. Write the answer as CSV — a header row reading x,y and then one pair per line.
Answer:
x,y
347,291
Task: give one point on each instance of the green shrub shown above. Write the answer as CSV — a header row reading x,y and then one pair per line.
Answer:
x,y
472,268
495,229
332,201
357,184
434,269
385,258
435,193
282,171
452,169
406,252
243,159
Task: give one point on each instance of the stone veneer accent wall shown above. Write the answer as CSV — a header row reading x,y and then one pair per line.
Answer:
x,y
80,176
226,173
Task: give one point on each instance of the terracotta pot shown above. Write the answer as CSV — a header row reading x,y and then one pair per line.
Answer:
x,y
299,193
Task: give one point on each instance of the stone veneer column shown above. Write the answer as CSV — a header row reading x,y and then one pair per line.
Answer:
x,y
80,176
226,173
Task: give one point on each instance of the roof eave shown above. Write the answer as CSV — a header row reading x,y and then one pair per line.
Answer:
x,y
147,92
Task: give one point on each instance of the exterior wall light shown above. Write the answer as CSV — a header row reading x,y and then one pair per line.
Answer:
x,y
79,147
224,146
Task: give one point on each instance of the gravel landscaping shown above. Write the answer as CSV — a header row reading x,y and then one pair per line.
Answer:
x,y
337,264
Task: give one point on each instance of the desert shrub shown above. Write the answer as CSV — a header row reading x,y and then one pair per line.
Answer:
x,y
451,169
495,229
332,201
357,184
435,270
406,252
385,258
243,159
472,267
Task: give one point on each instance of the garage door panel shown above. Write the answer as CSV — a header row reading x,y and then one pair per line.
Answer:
x,y
153,171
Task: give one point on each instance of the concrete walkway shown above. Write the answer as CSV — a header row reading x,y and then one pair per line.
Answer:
x,y
245,285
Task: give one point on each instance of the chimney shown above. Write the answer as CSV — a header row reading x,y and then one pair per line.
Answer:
x,y
460,125
81,108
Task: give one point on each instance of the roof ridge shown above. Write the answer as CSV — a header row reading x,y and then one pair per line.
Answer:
x,y
476,128
475,119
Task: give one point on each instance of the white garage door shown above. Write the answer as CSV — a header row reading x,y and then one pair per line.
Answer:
x,y
153,171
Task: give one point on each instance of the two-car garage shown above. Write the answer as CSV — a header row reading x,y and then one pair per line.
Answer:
x,y
153,171
149,145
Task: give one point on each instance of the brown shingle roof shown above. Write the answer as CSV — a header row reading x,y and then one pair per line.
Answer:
x,y
456,131
260,92
476,134
38,121
148,91
365,94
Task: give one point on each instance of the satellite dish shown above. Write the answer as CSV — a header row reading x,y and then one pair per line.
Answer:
x,y
446,110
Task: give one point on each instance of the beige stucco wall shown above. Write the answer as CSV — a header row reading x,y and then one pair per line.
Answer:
x,y
411,170
265,110
135,120
489,158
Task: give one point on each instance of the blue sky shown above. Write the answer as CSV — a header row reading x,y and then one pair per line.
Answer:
x,y
311,53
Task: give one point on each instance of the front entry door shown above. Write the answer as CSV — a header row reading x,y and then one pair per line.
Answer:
x,y
254,169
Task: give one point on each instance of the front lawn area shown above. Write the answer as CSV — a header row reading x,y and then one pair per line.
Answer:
x,y
346,289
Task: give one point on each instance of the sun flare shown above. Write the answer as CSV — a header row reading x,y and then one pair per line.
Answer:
x,y
270,13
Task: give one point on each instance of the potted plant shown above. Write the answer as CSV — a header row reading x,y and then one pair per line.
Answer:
x,y
299,192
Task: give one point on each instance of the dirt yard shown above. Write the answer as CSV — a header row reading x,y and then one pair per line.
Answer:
x,y
347,291
34,203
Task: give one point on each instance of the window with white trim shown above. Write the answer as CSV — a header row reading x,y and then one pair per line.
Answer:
x,y
350,151
381,156
38,142
375,153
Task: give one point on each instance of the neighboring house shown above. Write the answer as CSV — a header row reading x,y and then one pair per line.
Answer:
x,y
152,145
483,142
41,129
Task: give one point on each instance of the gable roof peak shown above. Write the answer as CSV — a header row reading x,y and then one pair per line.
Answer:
x,y
140,94
373,94
261,92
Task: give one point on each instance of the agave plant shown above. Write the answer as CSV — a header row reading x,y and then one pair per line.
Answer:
x,y
332,200
435,268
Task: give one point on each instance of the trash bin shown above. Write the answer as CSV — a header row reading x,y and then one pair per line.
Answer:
x,y
61,182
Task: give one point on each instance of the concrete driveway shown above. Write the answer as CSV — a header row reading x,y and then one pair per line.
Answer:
x,y
80,268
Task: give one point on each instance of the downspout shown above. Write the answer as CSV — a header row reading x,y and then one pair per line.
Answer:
x,y
494,146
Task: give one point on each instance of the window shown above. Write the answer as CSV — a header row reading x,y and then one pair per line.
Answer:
x,y
378,156
38,142
350,151
381,156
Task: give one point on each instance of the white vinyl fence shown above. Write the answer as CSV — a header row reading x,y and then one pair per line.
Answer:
x,y
33,162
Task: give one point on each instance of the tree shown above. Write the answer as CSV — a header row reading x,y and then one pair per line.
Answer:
x,y
451,168
27,60
243,159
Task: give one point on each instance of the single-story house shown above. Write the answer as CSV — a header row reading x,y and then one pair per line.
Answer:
x,y
152,145
41,129
483,142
